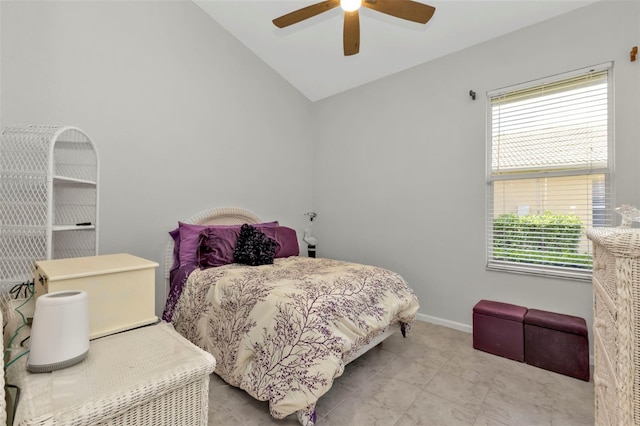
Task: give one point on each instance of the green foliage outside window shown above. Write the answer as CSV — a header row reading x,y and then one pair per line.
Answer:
x,y
543,239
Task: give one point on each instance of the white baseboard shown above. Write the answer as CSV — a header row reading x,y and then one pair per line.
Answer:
x,y
446,323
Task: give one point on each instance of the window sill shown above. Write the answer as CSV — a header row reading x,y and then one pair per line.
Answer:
x,y
584,275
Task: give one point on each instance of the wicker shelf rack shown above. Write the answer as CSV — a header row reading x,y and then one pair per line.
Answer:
x,y
48,198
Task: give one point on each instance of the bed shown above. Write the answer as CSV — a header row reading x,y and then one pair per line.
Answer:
x,y
281,331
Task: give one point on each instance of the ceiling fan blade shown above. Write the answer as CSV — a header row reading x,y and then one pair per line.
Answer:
x,y
351,33
305,13
404,9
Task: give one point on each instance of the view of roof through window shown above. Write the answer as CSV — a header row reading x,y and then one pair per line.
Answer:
x,y
535,130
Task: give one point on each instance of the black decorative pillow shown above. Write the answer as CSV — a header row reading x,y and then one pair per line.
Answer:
x,y
254,247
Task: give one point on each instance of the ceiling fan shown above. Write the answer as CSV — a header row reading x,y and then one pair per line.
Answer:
x,y
404,9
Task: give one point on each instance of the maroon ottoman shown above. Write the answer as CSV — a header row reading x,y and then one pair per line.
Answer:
x,y
498,329
557,342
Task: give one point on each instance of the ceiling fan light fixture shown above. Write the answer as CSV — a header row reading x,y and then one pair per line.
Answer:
x,y
409,10
350,5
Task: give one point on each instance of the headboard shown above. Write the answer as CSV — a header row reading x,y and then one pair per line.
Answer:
x,y
215,216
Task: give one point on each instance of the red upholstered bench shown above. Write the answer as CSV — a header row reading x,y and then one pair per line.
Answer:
x,y
498,329
557,342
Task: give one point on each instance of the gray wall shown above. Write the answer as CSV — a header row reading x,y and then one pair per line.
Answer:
x,y
185,118
399,164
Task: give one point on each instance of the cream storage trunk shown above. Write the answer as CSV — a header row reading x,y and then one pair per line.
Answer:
x,y
121,288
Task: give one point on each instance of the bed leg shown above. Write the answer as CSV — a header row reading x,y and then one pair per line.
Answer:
x,y
403,329
307,416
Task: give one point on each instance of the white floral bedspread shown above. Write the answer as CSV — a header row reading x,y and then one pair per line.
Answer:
x,y
281,331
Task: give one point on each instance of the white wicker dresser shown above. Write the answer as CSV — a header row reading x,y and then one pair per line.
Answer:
x,y
147,376
616,326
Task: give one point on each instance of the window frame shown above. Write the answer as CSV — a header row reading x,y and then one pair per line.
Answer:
x,y
608,172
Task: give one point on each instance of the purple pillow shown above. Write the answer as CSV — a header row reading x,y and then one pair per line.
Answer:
x,y
216,246
286,239
175,234
190,239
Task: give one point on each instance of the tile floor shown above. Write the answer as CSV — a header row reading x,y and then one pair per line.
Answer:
x,y
433,377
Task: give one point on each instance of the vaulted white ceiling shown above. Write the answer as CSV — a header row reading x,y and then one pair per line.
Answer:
x,y
309,54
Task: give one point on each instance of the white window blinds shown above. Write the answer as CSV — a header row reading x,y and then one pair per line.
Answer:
x,y
549,173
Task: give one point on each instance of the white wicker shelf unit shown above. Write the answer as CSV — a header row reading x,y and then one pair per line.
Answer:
x,y
48,198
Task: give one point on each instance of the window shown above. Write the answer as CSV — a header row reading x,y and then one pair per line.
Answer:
x,y
549,173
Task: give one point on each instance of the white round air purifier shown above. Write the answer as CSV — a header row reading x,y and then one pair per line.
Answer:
x,y
60,331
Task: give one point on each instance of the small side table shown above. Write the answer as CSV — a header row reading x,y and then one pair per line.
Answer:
x,y
147,376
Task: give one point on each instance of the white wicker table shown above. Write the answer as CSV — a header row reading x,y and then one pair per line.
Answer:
x,y
146,376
